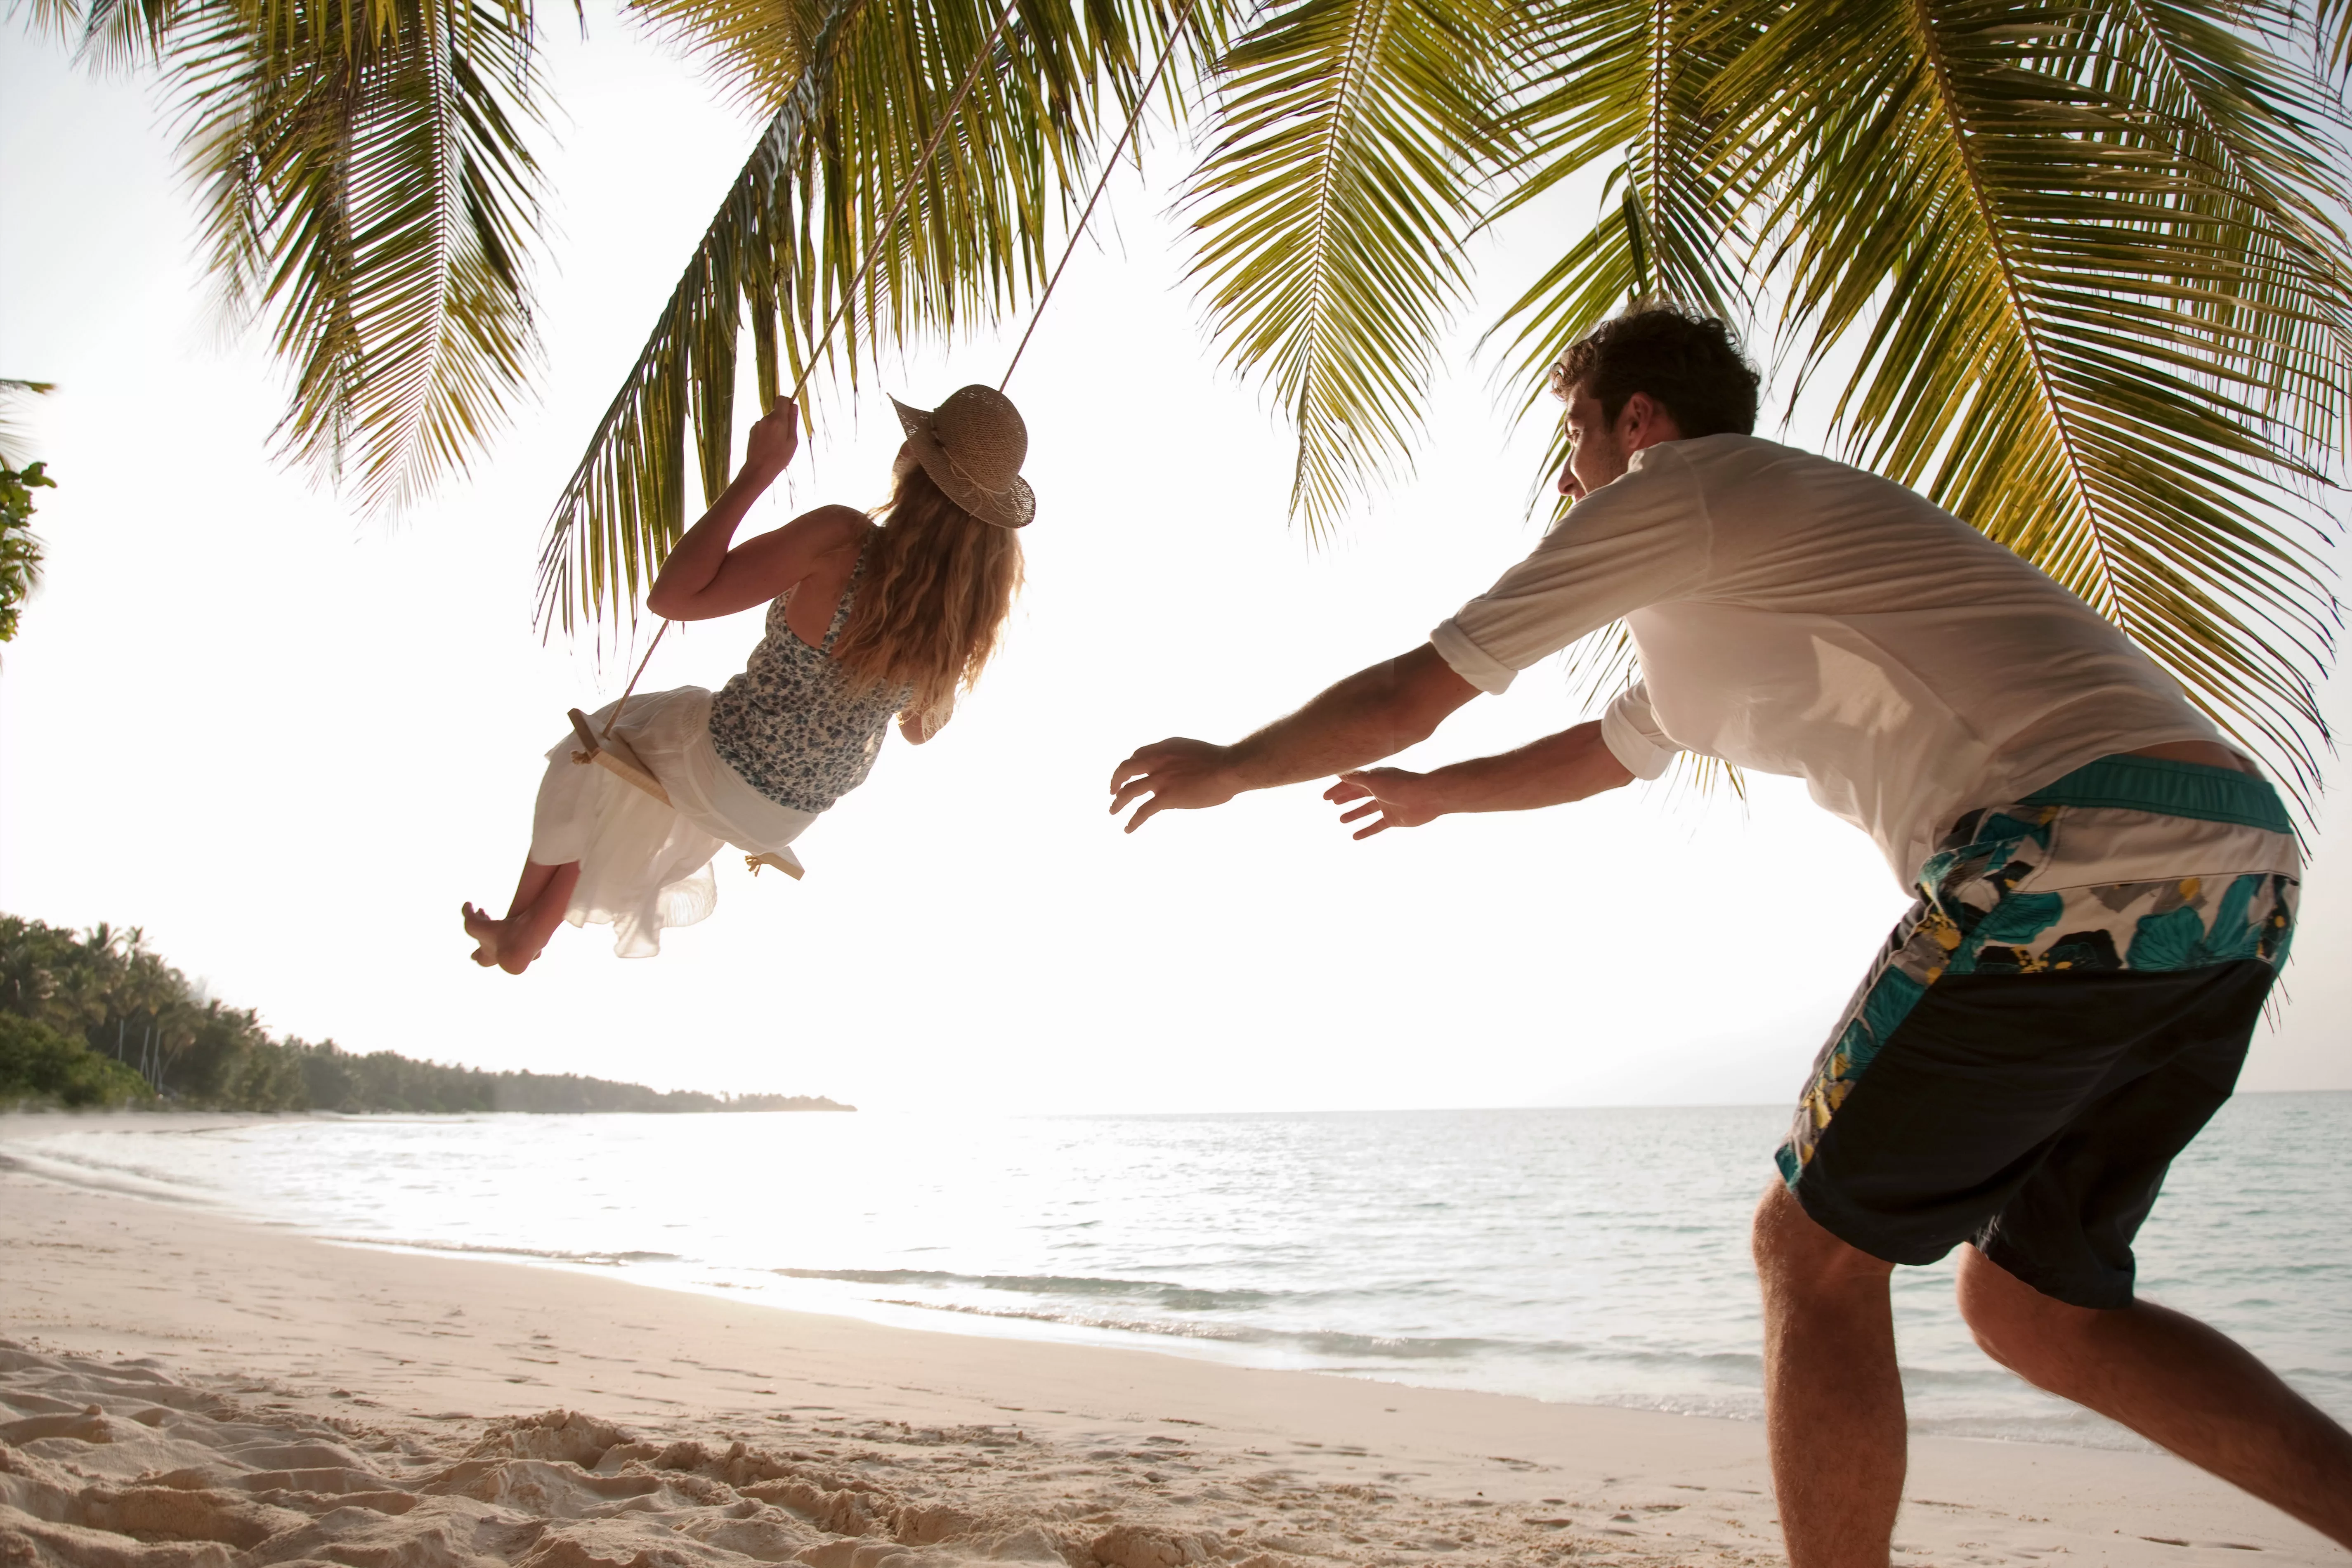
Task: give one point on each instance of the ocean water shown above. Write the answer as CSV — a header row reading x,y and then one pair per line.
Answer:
x,y
1597,1256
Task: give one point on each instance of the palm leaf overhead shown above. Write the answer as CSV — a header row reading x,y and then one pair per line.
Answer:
x,y
1629,81
2086,258
1015,98
626,499
1624,83
365,181
1330,206
365,185
111,34
2331,24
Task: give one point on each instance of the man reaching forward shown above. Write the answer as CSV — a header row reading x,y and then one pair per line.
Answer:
x,y
2106,892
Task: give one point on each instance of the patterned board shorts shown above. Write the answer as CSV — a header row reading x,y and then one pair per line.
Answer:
x,y
2063,1010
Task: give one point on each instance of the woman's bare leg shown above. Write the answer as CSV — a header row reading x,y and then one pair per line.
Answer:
x,y
541,895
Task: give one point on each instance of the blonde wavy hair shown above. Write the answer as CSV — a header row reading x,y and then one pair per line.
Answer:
x,y
932,606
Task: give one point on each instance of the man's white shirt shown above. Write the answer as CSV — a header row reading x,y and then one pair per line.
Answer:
x,y
1795,615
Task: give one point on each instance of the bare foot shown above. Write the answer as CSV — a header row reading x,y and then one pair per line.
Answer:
x,y
486,931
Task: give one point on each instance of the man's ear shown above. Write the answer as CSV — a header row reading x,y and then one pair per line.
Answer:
x,y
1644,422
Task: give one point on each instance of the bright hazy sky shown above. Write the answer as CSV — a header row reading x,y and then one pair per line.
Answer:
x,y
288,742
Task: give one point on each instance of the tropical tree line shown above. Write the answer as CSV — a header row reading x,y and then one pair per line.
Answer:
x,y
97,1018
2079,270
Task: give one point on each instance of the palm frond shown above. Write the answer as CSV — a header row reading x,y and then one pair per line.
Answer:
x,y
2331,31
111,35
1349,140
972,239
56,18
20,548
627,500
1624,79
1630,79
758,52
365,181
2100,313
795,242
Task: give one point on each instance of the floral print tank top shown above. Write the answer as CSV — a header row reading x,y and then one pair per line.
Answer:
x,y
792,725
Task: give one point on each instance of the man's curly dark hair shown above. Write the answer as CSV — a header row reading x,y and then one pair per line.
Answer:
x,y
1690,363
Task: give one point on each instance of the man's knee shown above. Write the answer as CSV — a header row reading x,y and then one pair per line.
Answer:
x,y
2035,1336
1794,1252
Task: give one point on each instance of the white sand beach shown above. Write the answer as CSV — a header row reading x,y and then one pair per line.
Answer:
x,y
183,1390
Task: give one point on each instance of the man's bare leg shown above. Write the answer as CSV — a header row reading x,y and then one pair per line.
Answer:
x,y
2174,1381
541,895
1832,1400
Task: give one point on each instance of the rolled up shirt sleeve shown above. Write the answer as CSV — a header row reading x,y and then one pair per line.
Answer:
x,y
1642,539
1629,728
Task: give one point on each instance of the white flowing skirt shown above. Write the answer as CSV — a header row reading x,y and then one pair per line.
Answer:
x,y
645,866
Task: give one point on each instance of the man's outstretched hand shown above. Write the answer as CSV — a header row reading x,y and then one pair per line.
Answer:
x,y
1402,799
1176,772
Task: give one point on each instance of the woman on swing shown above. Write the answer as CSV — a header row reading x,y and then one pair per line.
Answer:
x,y
869,618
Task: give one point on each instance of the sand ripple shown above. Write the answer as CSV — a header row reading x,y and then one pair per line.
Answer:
x,y
117,1465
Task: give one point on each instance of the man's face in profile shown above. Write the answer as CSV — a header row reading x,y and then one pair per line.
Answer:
x,y
1595,453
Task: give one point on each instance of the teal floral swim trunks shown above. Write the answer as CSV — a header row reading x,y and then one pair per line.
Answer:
x,y
2063,1010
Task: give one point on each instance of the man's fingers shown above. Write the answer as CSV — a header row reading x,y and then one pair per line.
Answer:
x,y
1138,763
1364,810
1176,774
1346,790
1362,833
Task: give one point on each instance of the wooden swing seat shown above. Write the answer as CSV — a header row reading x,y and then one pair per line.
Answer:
x,y
617,757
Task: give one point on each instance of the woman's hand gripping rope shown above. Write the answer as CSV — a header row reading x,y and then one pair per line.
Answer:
x,y
773,439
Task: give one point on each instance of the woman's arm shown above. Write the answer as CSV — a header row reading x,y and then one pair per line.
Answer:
x,y
706,574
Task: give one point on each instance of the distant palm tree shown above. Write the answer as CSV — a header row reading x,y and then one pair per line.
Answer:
x,y
2088,259
15,445
20,551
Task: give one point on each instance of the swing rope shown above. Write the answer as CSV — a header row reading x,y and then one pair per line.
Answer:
x,y
890,223
1110,164
848,296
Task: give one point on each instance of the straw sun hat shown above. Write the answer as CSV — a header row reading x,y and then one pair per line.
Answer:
x,y
972,446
